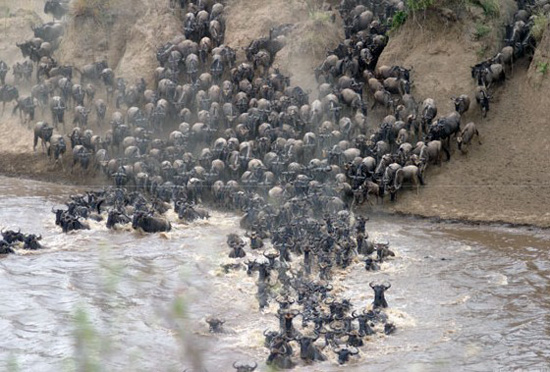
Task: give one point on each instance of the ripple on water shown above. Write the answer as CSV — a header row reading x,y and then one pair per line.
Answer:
x,y
478,309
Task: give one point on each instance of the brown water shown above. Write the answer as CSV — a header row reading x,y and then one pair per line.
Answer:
x,y
463,298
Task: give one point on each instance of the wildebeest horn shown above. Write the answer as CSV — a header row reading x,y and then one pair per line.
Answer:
x,y
39,237
356,351
387,285
265,331
235,365
255,365
353,314
371,284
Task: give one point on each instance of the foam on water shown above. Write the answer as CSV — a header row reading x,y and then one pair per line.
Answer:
x,y
129,283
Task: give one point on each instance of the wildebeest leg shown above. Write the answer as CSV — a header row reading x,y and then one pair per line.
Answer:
x,y
446,153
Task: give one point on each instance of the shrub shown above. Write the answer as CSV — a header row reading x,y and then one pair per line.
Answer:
x,y
398,19
481,31
539,26
542,67
491,8
419,5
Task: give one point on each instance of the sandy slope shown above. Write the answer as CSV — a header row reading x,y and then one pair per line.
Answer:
x,y
504,179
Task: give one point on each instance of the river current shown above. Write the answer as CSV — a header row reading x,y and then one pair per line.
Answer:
x,y
469,298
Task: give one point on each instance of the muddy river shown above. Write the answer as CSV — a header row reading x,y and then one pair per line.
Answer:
x,y
463,298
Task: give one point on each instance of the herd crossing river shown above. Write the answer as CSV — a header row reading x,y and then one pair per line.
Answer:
x,y
463,297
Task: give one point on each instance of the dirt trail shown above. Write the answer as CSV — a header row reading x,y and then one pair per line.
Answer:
x,y
506,178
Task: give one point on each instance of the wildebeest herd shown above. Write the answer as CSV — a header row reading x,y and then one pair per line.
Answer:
x,y
240,137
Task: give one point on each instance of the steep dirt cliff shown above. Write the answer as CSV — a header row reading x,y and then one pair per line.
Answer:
x,y
504,179
127,37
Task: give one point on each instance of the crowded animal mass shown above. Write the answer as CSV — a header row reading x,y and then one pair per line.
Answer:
x,y
214,129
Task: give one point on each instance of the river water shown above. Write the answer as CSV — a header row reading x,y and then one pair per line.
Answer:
x,y
463,298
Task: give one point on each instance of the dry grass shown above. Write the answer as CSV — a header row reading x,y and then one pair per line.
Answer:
x,y
539,26
98,10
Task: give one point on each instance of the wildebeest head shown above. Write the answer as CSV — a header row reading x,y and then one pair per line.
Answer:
x,y
344,354
5,247
115,216
60,148
46,133
215,324
379,299
269,337
308,351
31,242
11,236
58,215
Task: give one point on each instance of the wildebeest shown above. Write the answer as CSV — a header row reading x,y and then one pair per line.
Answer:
x,y
150,224
3,72
8,93
82,156
345,353
49,32
444,128
379,298
92,72
308,351
482,99
462,103
43,131
25,106
409,173
116,216
57,8
81,116
31,242
466,136
58,107
57,147
100,110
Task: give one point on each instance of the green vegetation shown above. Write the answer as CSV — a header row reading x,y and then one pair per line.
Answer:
x,y
542,67
491,8
319,16
419,5
398,19
482,51
539,26
481,31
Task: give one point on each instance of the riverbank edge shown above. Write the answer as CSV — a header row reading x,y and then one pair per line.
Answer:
x,y
53,177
